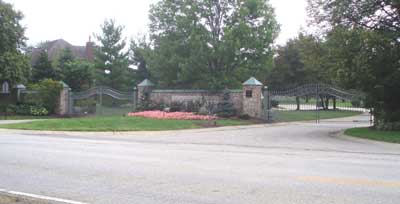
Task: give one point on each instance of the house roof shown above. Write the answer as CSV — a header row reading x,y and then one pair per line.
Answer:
x,y
146,82
54,48
252,82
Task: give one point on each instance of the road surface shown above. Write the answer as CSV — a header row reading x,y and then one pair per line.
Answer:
x,y
278,164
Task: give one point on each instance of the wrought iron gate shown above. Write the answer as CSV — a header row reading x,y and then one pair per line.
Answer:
x,y
102,100
311,102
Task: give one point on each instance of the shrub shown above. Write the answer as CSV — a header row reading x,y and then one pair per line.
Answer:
x,y
38,111
47,95
244,117
23,109
226,108
274,103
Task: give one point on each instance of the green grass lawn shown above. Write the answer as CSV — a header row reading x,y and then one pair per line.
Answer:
x,y
117,123
368,133
291,116
19,117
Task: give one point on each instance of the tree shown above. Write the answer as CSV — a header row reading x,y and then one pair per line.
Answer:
x,y
226,107
140,51
43,69
207,43
111,60
368,61
79,75
14,65
378,15
363,39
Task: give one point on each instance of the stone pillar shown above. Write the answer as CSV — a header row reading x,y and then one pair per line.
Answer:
x,y
64,100
144,89
253,98
19,89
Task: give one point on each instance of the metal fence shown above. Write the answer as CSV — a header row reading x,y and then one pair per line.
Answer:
x,y
102,100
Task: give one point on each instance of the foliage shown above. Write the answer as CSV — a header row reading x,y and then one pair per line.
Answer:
x,y
226,106
44,69
79,74
302,60
362,38
49,92
14,65
38,111
139,51
380,15
368,60
111,60
198,44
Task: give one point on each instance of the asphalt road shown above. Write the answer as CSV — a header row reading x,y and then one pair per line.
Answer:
x,y
283,164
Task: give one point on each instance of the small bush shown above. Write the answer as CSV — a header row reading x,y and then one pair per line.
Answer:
x,y
274,103
244,117
39,111
47,95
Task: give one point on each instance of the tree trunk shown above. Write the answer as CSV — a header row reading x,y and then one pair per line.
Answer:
x,y
298,103
322,102
327,103
334,103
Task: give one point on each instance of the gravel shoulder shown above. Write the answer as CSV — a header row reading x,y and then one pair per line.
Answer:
x,y
12,199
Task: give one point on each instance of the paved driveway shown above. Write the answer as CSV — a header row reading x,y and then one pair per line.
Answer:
x,y
290,163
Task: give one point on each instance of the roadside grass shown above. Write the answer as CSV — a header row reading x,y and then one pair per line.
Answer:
x,y
118,123
19,117
292,116
368,133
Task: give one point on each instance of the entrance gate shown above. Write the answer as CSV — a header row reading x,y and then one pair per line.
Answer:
x,y
312,102
102,100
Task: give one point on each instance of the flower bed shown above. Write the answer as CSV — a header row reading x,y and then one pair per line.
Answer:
x,y
171,115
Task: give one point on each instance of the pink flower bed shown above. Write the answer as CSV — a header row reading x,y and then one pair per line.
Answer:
x,y
172,115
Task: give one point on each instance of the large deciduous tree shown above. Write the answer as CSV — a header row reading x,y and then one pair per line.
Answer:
x,y
14,65
211,43
111,59
363,38
383,15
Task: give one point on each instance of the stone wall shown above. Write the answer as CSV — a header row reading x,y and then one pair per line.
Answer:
x,y
170,96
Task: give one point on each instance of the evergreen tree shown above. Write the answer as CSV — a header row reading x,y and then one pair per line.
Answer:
x,y
226,106
43,69
111,60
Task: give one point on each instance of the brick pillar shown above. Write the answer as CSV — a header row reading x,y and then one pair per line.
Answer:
x,y
144,88
253,98
64,100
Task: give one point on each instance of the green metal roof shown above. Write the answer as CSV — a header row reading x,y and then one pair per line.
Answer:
x,y
252,82
64,84
146,82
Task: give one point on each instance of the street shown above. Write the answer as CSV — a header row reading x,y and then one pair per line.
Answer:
x,y
277,164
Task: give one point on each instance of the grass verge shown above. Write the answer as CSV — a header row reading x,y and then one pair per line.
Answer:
x,y
19,117
368,133
117,123
291,116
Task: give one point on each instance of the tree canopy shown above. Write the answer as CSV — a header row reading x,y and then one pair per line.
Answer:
x,y
111,60
208,43
14,65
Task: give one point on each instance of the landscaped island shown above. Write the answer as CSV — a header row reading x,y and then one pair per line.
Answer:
x,y
120,123
141,123
369,133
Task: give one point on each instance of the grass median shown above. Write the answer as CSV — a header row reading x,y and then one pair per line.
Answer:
x,y
371,134
291,116
119,123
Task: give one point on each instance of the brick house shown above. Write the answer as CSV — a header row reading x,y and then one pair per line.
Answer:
x,y
54,48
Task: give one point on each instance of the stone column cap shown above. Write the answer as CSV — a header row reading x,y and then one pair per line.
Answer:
x,y
252,82
145,82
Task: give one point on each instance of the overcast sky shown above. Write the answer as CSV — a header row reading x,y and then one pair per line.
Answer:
x,y
76,20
